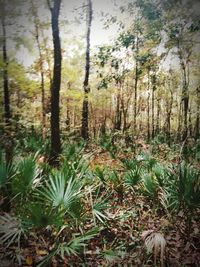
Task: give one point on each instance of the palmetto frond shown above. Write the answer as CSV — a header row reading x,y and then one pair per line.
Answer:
x,y
59,193
11,229
154,242
27,177
72,247
6,171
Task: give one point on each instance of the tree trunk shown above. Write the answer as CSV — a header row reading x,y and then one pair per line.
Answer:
x,y
8,145
180,126
168,120
158,116
136,86
185,91
152,104
5,76
55,88
148,106
118,114
197,123
36,22
84,128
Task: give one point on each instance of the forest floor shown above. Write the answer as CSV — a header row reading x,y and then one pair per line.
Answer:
x,y
121,239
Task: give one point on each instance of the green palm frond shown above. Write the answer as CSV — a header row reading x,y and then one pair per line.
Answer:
x,y
147,160
27,177
132,177
6,172
98,209
73,247
100,173
149,184
77,243
130,164
38,215
169,198
110,255
59,193
189,185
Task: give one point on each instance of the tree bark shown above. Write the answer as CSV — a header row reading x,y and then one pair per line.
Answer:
x,y
42,86
55,88
148,106
158,116
85,128
136,86
8,145
197,123
152,104
5,76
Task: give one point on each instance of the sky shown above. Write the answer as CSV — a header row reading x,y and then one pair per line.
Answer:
x,y
71,11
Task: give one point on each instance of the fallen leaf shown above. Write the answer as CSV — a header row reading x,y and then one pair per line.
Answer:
x,y
41,252
29,260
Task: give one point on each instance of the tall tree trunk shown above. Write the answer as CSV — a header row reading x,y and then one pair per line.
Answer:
x,y
158,116
184,62
8,145
185,99
148,106
152,105
84,128
41,64
55,88
136,85
197,123
168,120
7,110
5,76
180,126
118,114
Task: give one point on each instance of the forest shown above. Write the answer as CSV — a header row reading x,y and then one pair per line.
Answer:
x,y
100,133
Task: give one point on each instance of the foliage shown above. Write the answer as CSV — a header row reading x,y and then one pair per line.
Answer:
x,y
133,176
74,246
12,229
61,193
27,177
6,171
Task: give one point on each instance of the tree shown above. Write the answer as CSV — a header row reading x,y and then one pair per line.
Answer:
x,y
5,69
55,88
8,145
41,66
84,128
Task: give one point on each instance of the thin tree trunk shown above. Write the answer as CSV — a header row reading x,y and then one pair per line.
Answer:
x,y
152,105
190,131
185,99
179,129
85,128
197,123
118,114
5,76
6,206
169,112
158,116
148,106
136,86
55,88
7,110
41,64
185,92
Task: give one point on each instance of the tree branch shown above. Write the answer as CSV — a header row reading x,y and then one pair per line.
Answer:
x,y
49,5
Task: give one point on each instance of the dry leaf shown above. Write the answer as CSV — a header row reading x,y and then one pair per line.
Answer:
x,y
41,252
29,260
